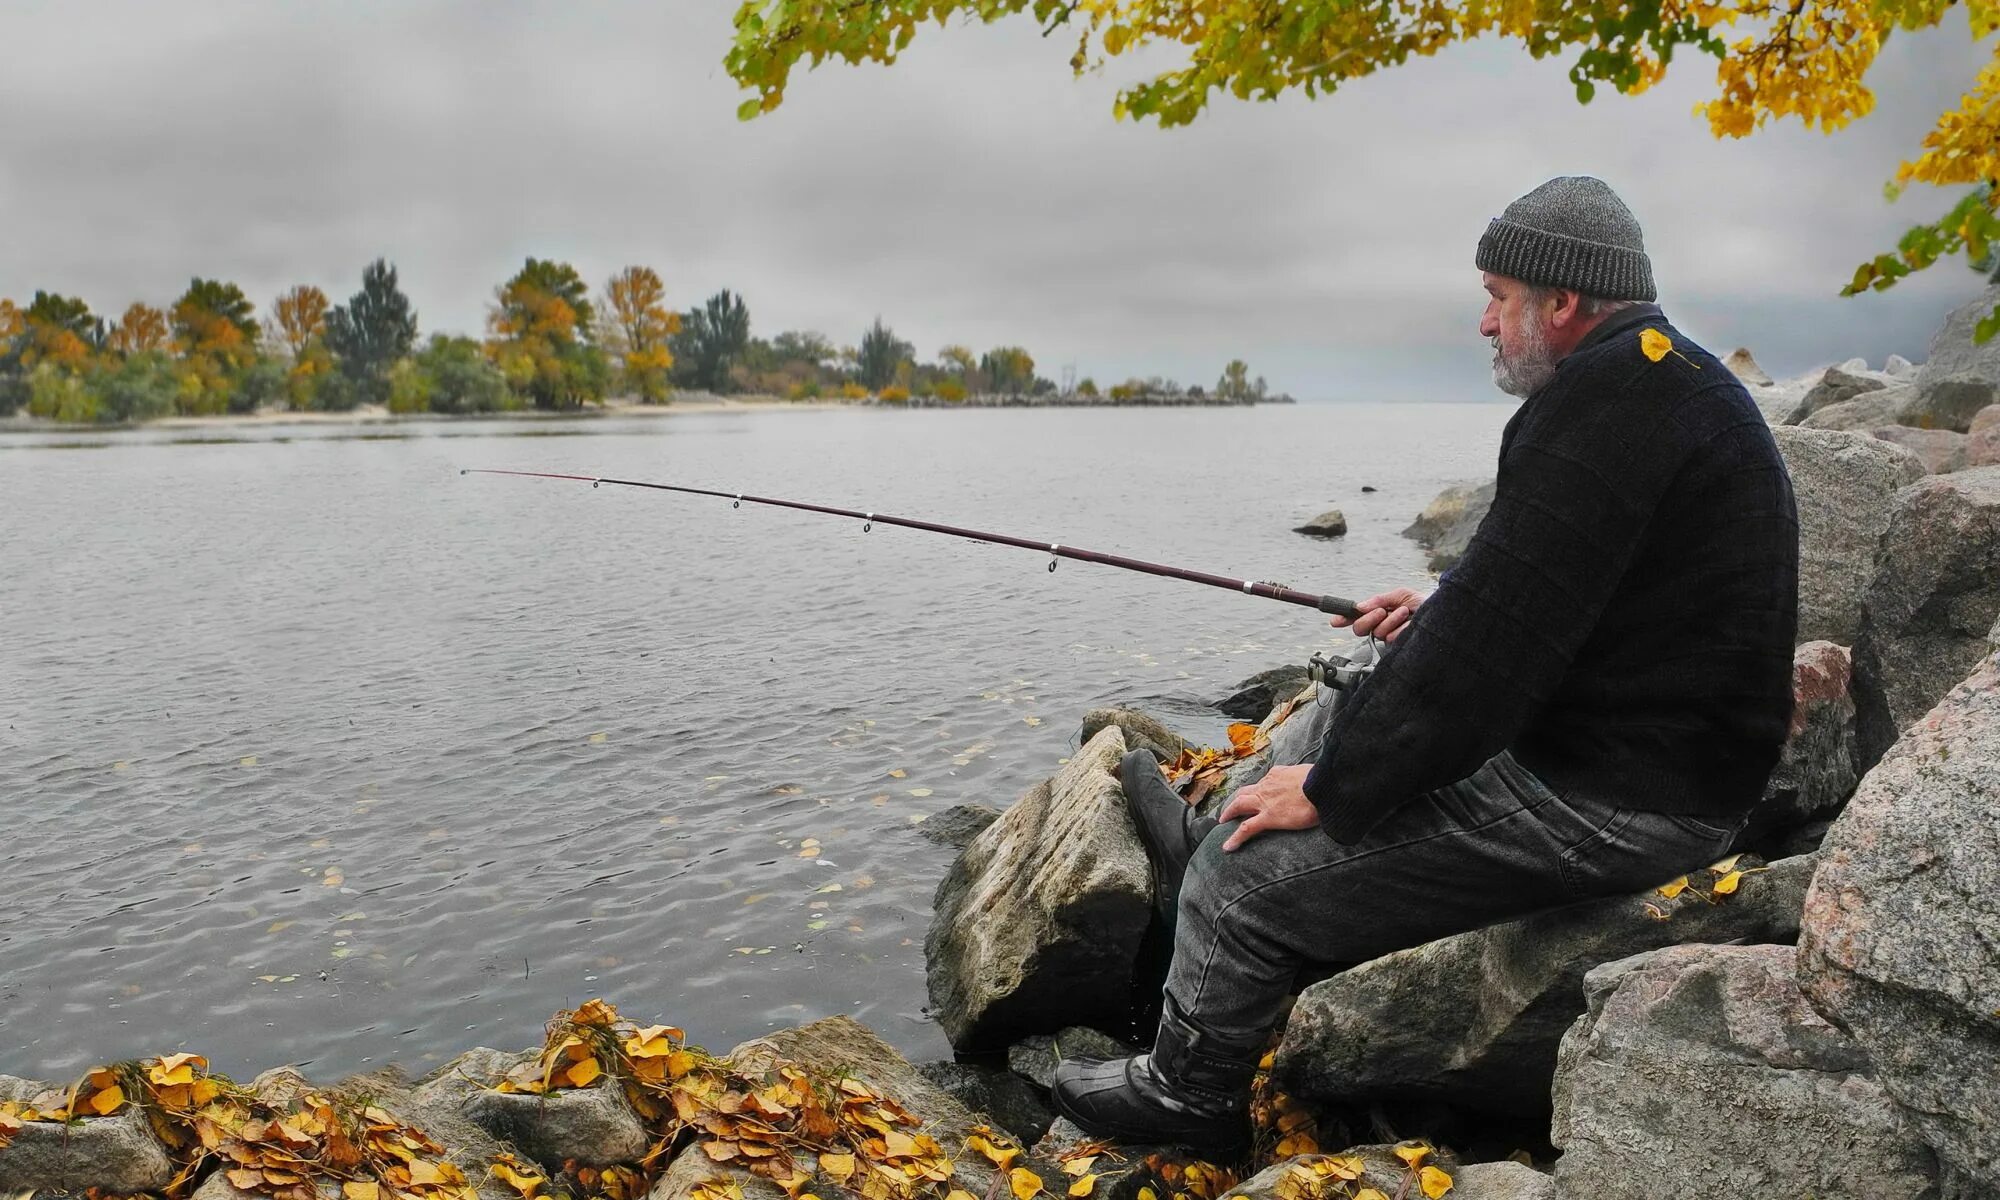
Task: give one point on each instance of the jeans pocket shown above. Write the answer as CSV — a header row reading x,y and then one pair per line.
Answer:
x,y
1636,849
1589,865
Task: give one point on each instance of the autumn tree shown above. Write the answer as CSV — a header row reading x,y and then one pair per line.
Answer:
x,y
1805,60
637,329
60,332
958,358
13,383
1009,370
880,354
713,338
298,318
1235,381
142,330
372,332
543,336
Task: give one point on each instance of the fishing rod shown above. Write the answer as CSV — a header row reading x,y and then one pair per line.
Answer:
x,y
1270,591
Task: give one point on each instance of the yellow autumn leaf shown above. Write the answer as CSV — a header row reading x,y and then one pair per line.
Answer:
x,y
959,1194
839,1167
1727,884
1412,1155
1080,1166
1726,865
369,1190
1369,1194
1435,1182
582,1072
1083,1185
108,1101
1673,888
1655,345
1025,1184
1346,1167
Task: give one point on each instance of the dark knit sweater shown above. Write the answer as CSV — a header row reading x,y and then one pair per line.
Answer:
x,y
1623,619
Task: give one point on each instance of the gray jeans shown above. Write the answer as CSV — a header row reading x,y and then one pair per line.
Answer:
x,y
1494,846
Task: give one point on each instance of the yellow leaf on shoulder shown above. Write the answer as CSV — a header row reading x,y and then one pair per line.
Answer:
x,y
1655,345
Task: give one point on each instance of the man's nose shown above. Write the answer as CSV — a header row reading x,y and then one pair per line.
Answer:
x,y
1489,323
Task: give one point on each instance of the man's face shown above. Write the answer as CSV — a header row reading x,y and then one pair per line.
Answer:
x,y
1517,321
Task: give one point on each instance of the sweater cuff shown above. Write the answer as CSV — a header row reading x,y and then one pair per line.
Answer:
x,y
1339,817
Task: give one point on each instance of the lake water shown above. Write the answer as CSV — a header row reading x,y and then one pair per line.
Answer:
x,y
314,750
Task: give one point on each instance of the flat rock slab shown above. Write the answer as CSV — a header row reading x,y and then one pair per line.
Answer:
x,y
1898,943
1868,411
1475,1019
116,1154
1932,605
1835,387
1038,923
592,1126
837,1048
1845,485
1702,1071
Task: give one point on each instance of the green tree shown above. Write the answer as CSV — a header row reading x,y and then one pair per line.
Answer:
x,y
713,338
1009,370
370,334
459,377
1235,381
1805,60
880,354
138,387
543,328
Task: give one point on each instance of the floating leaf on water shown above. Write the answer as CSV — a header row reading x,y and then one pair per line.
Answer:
x,y
828,887
898,773
248,760
754,897
920,791
278,926
597,739
1031,720
333,877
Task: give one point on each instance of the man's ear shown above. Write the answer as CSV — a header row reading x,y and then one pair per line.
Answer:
x,y
1568,309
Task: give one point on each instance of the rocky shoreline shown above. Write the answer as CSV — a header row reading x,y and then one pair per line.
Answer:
x,y
1817,1014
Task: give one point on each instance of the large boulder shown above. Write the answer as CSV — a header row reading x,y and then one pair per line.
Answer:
x,y
592,1126
1845,484
1961,376
1982,438
841,1048
1140,730
1835,387
1897,945
1869,410
1930,613
1941,450
117,1155
1444,511
1037,924
1702,1071
1254,698
1474,1020
1815,771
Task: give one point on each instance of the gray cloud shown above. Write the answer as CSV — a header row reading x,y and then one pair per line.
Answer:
x,y
973,193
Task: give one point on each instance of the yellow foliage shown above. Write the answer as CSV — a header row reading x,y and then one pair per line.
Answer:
x,y
640,325
853,391
1434,1182
1025,1184
299,317
1654,344
141,329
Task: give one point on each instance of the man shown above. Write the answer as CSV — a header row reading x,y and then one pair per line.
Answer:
x,y
1588,704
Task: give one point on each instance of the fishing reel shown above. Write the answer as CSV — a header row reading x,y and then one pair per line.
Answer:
x,y
1343,670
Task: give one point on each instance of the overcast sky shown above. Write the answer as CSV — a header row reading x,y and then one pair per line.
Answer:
x,y
973,193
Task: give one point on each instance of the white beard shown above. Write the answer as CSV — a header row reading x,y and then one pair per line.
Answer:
x,y
1530,367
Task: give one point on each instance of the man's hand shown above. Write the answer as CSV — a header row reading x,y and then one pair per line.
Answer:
x,y
1384,615
1277,801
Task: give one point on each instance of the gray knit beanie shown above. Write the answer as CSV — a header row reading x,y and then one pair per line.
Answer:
x,y
1572,232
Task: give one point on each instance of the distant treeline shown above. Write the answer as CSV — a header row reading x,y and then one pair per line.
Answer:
x,y
549,345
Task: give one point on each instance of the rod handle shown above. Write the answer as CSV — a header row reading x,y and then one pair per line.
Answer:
x,y
1339,607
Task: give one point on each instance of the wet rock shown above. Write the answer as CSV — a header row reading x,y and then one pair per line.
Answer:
x,y
595,1126
1473,1020
1868,411
1815,771
1037,925
1035,1058
1845,484
1837,386
1745,368
1331,523
1931,610
1897,942
1982,438
1448,508
1699,1070
958,825
1009,1102
1140,731
117,1154
840,1047
1254,698
1941,450
1961,376
1367,488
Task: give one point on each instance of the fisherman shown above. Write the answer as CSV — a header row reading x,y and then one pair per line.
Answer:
x,y
1587,705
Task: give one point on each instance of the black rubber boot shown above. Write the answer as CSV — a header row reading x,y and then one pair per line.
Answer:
x,y
1169,827
1193,1090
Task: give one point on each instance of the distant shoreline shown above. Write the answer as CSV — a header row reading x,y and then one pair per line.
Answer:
x,y
700,403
